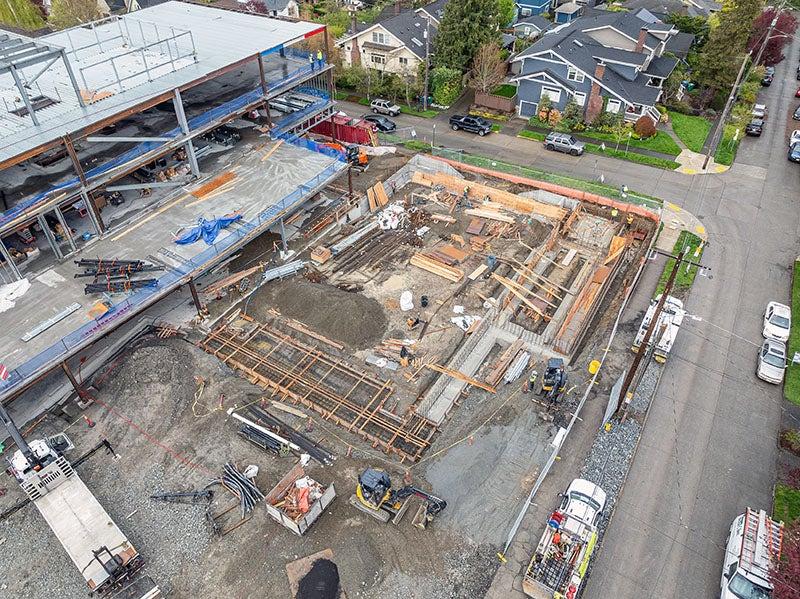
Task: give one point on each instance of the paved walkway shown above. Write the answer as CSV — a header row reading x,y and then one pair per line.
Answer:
x,y
691,163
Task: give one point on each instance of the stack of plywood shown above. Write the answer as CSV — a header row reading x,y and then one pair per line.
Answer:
x,y
438,268
376,196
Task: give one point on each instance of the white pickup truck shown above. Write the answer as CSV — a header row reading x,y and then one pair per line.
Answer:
x,y
562,556
669,321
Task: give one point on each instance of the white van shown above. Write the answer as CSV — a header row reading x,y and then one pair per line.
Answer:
x,y
753,546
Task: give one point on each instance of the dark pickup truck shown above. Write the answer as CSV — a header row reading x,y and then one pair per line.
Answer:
x,y
473,124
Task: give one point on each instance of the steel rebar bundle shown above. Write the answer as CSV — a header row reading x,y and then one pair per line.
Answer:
x,y
312,448
241,486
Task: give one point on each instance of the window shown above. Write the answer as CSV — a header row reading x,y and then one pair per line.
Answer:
x,y
553,94
379,37
404,61
525,12
613,106
580,98
527,30
574,75
377,59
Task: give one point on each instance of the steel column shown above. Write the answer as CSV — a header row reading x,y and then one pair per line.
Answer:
x,y
67,231
283,235
73,381
195,297
184,125
261,74
91,208
9,260
329,73
51,239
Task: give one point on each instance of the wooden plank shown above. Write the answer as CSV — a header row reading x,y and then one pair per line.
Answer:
x,y
521,296
216,182
448,272
288,409
490,214
443,218
453,252
523,289
299,326
380,194
461,377
617,246
266,156
499,368
569,257
475,226
477,272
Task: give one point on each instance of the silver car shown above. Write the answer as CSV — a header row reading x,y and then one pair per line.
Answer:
x,y
563,142
771,361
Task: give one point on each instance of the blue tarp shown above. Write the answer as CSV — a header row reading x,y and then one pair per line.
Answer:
x,y
207,230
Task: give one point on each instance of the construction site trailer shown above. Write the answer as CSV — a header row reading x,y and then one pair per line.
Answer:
x,y
96,545
277,500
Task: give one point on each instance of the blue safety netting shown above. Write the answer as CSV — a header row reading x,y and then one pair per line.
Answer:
x,y
207,230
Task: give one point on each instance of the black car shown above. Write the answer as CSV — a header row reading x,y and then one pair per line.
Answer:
x,y
754,128
381,122
473,124
796,114
766,81
794,152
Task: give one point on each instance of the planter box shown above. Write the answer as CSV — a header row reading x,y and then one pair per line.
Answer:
x,y
279,491
498,103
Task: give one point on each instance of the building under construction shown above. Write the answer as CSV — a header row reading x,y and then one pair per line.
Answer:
x,y
113,137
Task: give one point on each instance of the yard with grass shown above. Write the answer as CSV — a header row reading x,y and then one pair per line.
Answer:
x,y
726,150
686,276
787,503
506,90
791,385
691,130
661,142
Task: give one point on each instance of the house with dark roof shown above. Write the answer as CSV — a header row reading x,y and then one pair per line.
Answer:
x,y
614,61
531,27
527,8
396,44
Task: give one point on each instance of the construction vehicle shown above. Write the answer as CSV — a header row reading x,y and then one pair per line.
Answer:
x,y
669,321
109,563
752,550
559,564
554,381
375,496
355,156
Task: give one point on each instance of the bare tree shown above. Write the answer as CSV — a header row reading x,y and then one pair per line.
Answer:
x,y
488,68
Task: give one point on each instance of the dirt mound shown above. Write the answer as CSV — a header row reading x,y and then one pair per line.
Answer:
x,y
351,318
321,582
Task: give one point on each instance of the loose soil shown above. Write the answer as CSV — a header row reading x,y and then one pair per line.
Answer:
x,y
350,318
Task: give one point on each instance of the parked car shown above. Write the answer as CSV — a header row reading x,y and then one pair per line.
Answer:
x,y
797,93
795,137
769,71
777,321
563,142
798,73
760,111
473,124
794,152
766,81
796,114
754,128
771,361
380,122
380,106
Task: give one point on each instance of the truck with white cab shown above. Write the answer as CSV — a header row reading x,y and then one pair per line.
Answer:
x,y
669,322
558,566
752,549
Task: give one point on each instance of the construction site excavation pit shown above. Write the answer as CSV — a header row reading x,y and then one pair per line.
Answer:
x,y
402,340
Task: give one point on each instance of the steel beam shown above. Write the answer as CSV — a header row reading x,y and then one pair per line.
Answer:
x,y
264,87
284,245
67,231
51,239
112,139
195,297
94,214
152,185
184,125
24,94
72,79
73,381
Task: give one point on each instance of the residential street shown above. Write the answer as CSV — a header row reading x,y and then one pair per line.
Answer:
x,y
708,449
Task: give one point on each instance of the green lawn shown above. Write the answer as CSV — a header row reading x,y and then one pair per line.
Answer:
x,y
661,142
496,128
506,90
21,13
685,277
787,503
726,150
791,385
535,135
692,130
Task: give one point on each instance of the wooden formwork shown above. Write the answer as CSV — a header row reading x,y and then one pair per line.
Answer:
x,y
352,398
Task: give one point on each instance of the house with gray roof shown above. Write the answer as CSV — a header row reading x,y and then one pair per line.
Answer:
x,y
531,27
614,61
396,44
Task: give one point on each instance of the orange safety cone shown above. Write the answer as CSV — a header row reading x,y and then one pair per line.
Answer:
x,y
89,421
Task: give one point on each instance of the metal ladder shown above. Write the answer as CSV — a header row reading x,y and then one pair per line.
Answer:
x,y
761,542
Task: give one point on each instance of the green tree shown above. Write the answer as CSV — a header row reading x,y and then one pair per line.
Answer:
x,y
722,54
68,13
21,14
573,114
697,26
507,12
466,25
488,68
445,85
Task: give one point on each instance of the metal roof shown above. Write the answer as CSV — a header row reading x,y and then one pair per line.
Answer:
x,y
121,62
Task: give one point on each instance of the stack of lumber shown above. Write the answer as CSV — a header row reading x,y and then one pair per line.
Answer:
x,y
523,294
376,195
478,243
498,369
442,218
424,262
320,255
448,254
489,213
615,248
475,226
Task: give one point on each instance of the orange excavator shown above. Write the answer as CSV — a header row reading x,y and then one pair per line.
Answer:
x,y
356,157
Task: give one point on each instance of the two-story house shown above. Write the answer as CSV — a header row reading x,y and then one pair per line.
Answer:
x,y
397,44
614,62
528,8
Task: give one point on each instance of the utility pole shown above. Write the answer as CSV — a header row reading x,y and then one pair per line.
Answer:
x,y
643,348
427,61
721,126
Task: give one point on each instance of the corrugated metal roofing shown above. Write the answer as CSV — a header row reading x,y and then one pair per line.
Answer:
x,y
220,38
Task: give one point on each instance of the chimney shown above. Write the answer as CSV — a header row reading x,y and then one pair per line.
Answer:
x,y
640,41
594,104
398,6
